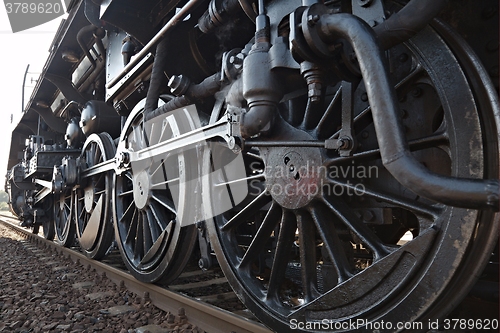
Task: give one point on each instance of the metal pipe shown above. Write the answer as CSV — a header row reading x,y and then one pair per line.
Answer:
x,y
79,37
404,24
192,94
178,17
158,77
394,150
24,85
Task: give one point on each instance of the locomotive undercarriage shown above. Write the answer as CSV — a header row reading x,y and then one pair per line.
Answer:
x,y
339,158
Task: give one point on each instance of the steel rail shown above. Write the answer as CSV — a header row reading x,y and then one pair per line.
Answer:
x,y
207,317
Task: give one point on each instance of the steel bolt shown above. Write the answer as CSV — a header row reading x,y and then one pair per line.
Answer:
x,y
314,92
364,134
236,60
403,57
364,97
312,20
345,143
178,84
368,216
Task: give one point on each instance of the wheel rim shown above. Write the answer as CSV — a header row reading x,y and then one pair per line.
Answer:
x,y
149,201
307,257
64,219
93,220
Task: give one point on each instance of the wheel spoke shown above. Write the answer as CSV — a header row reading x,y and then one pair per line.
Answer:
x,y
129,176
161,166
248,211
159,218
164,201
124,194
139,243
281,255
412,205
419,70
262,236
127,212
307,248
100,192
132,228
147,237
312,114
173,180
152,226
430,141
324,123
344,214
259,176
332,242
254,156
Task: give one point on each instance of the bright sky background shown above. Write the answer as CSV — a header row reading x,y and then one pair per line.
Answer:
x,y
17,51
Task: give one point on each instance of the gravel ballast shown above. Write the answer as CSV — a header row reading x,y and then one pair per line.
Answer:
x,y
40,291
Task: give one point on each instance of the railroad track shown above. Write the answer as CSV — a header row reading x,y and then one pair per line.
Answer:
x,y
199,312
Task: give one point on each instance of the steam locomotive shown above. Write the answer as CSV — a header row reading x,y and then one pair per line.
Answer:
x,y
340,159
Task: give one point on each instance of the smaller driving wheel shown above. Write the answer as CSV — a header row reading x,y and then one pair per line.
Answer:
x,y
152,227
94,227
47,220
64,218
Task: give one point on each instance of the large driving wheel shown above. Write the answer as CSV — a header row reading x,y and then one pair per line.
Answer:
x,y
64,218
94,227
328,240
151,213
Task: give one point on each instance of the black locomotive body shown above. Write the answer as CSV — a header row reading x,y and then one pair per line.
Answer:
x,y
340,158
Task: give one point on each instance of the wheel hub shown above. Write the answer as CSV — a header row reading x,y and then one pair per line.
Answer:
x,y
89,199
142,189
293,174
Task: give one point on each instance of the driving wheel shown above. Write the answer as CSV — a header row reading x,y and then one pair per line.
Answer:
x,y
94,226
64,218
151,213
327,239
